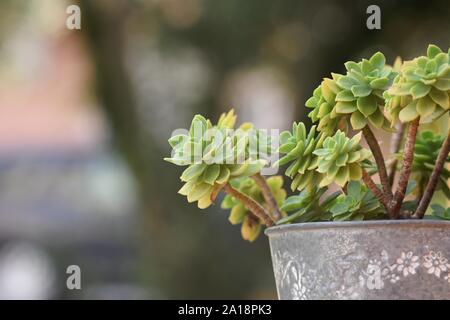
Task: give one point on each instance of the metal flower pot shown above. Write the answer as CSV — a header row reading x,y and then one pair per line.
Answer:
x,y
403,259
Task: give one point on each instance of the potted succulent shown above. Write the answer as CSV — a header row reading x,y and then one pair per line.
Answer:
x,y
360,226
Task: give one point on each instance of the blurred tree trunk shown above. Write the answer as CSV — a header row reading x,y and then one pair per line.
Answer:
x,y
103,26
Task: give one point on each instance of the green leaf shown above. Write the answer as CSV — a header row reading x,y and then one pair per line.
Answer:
x,y
291,217
442,84
378,60
237,214
346,82
342,176
284,137
425,106
358,120
250,229
433,51
287,147
345,95
345,107
367,105
354,189
409,113
186,188
377,118
329,90
342,160
228,202
294,202
400,89
205,201
339,208
351,65
440,97
355,171
311,102
224,175
198,192
193,171
253,168
361,90
420,90
379,83
275,182
211,173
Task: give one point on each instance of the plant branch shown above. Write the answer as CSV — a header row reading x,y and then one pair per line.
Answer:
x,y
250,204
379,159
408,157
434,179
268,196
395,148
376,191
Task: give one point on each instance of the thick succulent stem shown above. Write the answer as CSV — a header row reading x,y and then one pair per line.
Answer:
x,y
395,147
408,157
376,191
434,179
268,196
379,159
250,204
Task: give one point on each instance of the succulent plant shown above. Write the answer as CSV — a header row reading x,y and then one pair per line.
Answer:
x,y
307,207
358,94
358,204
212,160
251,225
299,147
323,103
362,91
370,93
340,159
421,89
425,154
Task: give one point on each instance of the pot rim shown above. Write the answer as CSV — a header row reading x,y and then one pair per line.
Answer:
x,y
423,223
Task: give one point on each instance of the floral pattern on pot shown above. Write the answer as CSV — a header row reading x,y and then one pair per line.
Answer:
x,y
300,280
379,272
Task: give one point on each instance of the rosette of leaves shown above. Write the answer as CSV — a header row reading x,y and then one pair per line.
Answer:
x,y
358,204
251,225
426,152
298,147
307,207
361,94
421,89
358,95
340,159
211,158
323,103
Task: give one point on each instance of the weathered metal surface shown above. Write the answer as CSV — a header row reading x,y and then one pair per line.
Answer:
x,y
406,259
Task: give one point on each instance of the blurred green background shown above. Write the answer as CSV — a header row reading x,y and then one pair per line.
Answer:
x,y
85,116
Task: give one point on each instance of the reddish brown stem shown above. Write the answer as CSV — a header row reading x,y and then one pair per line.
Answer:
x,y
268,196
408,157
250,204
395,147
379,159
434,179
376,191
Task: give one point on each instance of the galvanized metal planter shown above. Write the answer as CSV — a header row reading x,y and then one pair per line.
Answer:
x,y
403,259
